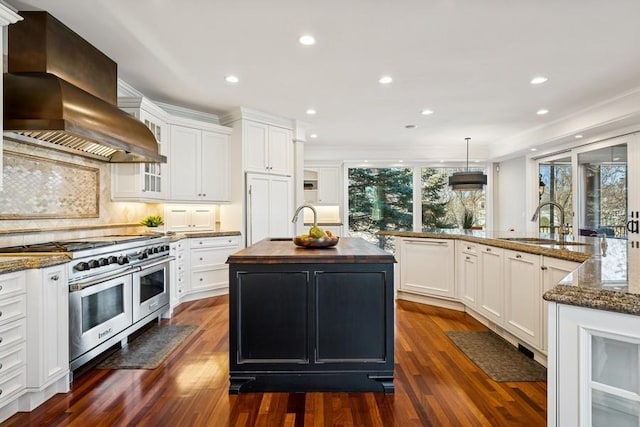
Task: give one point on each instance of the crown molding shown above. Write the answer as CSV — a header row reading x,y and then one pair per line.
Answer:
x,y
8,15
188,113
244,113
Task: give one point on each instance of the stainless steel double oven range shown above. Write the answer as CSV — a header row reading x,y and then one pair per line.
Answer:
x,y
117,284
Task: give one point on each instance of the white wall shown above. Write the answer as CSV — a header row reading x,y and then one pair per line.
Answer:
x,y
509,196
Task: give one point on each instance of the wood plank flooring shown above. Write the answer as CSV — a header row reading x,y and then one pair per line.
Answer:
x,y
436,385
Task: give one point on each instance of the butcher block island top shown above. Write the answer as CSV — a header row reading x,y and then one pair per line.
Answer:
x,y
303,320
284,251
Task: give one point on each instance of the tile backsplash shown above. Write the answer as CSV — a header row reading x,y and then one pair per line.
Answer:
x,y
109,212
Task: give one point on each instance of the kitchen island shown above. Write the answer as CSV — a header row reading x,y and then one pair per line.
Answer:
x,y
311,319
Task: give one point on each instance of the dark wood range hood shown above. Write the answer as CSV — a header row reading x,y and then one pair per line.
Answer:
x,y
61,92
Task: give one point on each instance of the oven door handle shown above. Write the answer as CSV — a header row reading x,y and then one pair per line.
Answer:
x,y
153,263
75,287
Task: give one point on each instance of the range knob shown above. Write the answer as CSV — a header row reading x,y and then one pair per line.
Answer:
x,y
143,255
112,259
94,263
156,250
103,261
81,266
165,248
123,259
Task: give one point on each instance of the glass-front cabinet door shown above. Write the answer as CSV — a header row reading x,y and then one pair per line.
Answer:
x,y
612,385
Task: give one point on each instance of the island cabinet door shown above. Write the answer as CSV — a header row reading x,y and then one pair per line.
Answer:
x,y
269,319
354,317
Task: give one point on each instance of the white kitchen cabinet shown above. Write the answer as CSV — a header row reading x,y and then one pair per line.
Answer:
x,y
523,296
323,185
553,270
268,149
180,218
199,162
427,267
13,337
47,327
142,181
179,271
467,272
269,207
594,367
490,284
208,271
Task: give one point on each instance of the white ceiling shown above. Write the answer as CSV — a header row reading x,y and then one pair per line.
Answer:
x,y
469,61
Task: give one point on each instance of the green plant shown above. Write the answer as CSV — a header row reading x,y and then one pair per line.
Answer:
x,y
467,219
152,221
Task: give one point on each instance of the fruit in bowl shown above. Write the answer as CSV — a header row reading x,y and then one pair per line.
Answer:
x,y
316,238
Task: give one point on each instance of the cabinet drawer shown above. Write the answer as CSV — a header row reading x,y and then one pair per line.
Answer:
x,y
12,309
211,279
12,333
12,384
12,284
209,257
469,248
211,242
12,358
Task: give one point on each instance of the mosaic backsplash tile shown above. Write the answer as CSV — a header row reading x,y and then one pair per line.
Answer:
x,y
36,187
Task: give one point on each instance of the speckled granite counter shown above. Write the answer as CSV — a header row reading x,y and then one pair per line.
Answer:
x,y
11,263
197,234
608,279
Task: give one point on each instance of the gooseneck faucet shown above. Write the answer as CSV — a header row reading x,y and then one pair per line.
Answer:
x,y
563,229
315,214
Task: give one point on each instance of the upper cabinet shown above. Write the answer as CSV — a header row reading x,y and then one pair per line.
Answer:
x,y
199,162
7,16
143,181
322,185
269,149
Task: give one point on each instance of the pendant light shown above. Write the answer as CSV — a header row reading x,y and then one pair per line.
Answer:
x,y
467,180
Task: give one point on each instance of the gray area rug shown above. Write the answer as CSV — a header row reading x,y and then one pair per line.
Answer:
x,y
149,349
496,357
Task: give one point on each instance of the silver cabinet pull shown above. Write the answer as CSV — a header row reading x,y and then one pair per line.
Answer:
x,y
488,249
55,277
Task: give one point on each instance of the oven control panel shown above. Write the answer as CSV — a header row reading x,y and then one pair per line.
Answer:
x,y
113,260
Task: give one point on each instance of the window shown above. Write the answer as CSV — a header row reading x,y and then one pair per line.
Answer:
x,y
444,208
380,199
556,175
383,199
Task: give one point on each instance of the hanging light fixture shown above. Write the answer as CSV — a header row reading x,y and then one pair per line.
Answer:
x,y
467,180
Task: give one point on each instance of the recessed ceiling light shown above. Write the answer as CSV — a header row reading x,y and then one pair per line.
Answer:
x,y
533,149
313,135
441,161
307,40
366,161
400,161
477,161
578,136
311,111
538,80
426,112
542,111
410,126
615,159
385,80
231,79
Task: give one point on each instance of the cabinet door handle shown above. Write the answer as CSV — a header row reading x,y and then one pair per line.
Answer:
x,y
55,277
467,257
468,248
201,279
200,258
488,249
518,256
543,267
1,340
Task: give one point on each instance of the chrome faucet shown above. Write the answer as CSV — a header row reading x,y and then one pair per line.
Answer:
x,y
563,229
315,214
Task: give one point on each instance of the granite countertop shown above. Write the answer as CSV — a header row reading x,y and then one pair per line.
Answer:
x,y
350,250
608,278
196,234
11,262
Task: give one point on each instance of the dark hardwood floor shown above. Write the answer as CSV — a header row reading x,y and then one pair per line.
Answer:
x,y
436,385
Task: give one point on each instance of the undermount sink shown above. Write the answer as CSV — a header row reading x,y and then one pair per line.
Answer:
x,y
543,241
